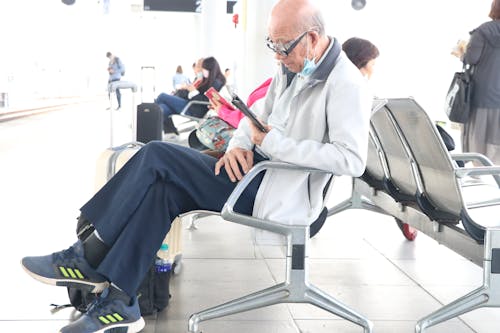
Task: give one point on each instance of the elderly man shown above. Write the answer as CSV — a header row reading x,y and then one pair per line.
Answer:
x,y
316,114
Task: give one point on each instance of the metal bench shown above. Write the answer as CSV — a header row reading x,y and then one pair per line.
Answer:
x,y
463,216
296,287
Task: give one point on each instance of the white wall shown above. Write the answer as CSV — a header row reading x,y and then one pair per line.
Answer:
x,y
50,49
414,37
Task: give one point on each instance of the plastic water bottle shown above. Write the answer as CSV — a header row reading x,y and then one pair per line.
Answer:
x,y
162,264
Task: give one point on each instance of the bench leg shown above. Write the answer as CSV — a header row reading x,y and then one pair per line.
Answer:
x,y
488,295
469,302
273,295
324,301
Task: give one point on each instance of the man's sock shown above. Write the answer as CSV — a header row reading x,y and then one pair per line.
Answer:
x,y
95,249
83,228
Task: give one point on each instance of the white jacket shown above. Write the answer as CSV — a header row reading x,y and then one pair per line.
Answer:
x,y
327,129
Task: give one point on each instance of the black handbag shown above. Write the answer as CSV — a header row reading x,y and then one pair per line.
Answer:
x,y
458,99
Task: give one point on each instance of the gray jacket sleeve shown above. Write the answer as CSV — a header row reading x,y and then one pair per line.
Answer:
x,y
475,48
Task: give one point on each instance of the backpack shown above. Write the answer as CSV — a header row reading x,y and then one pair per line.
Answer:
x,y
215,133
120,65
153,294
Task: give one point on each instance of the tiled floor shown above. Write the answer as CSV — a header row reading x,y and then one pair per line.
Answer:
x,y
47,165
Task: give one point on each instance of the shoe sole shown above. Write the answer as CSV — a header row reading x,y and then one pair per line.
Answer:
x,y
134,327
93,287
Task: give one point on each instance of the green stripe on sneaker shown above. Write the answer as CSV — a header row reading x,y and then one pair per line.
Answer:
x,y
111,318
117,316
71,273
63,271
68,272
79,274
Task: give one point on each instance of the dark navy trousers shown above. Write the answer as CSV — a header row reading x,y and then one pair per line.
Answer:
x,y
134,210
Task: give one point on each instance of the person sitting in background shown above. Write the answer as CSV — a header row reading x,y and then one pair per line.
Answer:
x,y
198,75
234,116
214,134
179,79
182,90
171,104
362,53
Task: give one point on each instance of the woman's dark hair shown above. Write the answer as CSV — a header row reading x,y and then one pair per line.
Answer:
x,y
495,10
179,69
214,74
360,51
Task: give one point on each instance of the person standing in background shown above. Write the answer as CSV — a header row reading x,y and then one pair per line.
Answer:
x,y
481,133
212,76
116,70
179,80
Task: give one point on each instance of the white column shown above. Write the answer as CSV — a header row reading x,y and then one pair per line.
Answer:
x,y
255,63
212,33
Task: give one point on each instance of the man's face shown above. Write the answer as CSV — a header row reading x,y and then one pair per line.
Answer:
x,y
289,47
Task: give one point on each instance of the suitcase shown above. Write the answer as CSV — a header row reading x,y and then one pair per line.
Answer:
x,y
149,115
112,159
149,122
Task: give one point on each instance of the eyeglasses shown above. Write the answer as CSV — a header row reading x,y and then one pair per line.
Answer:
x,y
284,49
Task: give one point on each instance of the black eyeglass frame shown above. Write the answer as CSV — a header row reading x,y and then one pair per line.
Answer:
x,y
287,48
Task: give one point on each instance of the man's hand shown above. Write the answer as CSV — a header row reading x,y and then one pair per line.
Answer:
x,y
232,160
256,135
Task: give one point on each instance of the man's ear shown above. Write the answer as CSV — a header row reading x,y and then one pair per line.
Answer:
x,y
314,38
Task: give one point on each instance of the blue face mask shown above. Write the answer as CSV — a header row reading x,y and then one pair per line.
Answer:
x,y
309,65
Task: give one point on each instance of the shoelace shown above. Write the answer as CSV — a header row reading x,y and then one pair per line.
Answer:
x,y
98,303
65,254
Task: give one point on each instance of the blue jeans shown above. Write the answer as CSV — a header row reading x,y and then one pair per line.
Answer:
x,y
170,105
118,94
134,210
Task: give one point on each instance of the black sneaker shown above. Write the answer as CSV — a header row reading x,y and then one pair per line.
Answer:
x,y
109,313
67,268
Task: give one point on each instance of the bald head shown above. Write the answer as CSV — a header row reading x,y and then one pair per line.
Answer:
x,y
296,28
296,16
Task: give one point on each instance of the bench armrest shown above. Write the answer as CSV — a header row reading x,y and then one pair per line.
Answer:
x,y
467,157
480,171
229,214
191,103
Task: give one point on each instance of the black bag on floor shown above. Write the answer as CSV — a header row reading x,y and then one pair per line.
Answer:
x,y
153,294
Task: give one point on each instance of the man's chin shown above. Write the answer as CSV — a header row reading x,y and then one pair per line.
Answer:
x,y
292,69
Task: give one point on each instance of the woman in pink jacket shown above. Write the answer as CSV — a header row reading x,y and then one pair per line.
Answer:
x,y
233,116
214,134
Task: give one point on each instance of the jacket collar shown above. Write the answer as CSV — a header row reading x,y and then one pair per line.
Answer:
x,y
324,69
326,66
